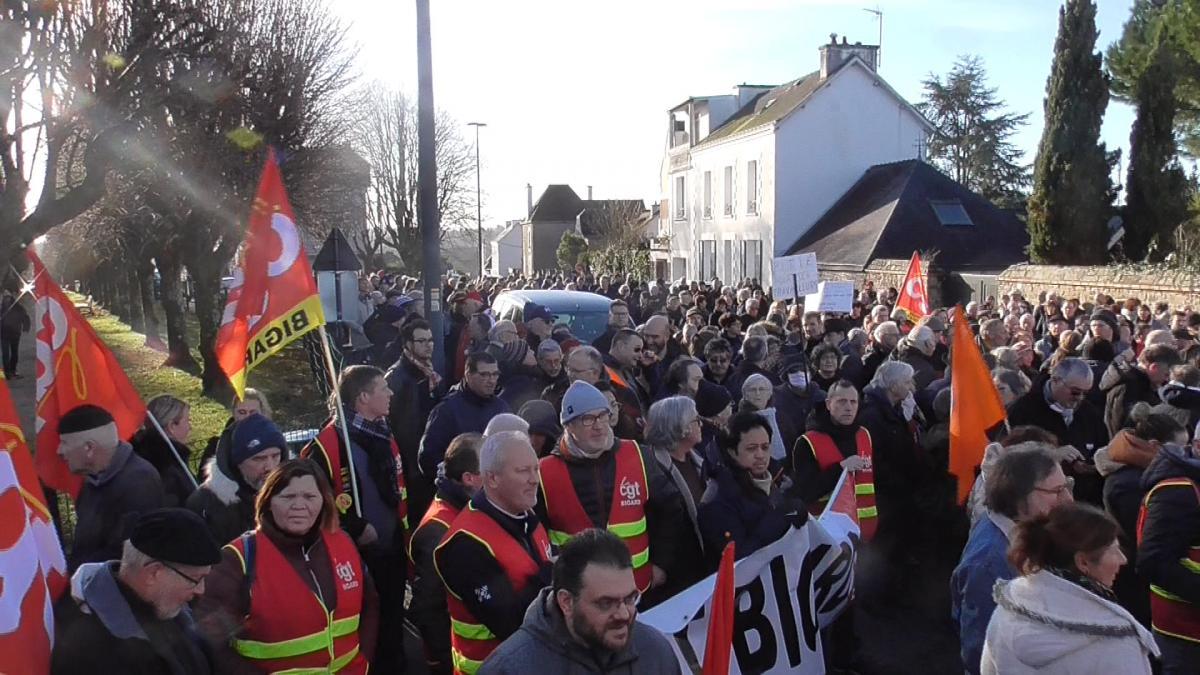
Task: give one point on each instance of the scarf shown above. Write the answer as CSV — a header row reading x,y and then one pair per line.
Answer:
x,y
382,469
1068,414
763,484
376,428
1085,582
571,450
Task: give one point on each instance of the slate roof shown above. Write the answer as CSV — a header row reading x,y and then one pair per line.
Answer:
x,y
336,254
767,107
558,202
887,214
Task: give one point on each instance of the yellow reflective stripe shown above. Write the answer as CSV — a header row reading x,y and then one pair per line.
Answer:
x,y
471,631
238,553
307,644
559,538
641,558
864,489
628,530
334,666
868,512
464,665
1159,591
1191,565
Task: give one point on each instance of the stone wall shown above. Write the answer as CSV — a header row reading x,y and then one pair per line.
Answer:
x,y
888,273
1179,288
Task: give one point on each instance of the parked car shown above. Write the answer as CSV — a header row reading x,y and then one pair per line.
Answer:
x,y
586,314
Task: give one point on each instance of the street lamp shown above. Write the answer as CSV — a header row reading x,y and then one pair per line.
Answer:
x,y
478,201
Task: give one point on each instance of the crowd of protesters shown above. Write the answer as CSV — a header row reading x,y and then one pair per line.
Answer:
x,y
536,492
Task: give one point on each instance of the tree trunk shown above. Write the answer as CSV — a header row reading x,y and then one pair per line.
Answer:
x,y
134,298
179,355
145,279
207,282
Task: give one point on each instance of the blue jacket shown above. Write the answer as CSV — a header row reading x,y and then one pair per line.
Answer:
x,y
984,560
462,411
732,508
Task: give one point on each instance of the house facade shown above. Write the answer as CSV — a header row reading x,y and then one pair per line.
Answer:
x,y
748,173
560,210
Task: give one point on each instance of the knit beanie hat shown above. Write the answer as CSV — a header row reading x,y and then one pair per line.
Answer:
x,y
541,417
253,435
506,422
711,399
581,399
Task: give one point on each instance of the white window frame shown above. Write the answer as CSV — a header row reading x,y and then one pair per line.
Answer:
x,y
708,195
729,190
681,198
752,187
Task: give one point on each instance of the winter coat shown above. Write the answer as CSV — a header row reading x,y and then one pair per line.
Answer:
x,y
923,369
224,500
1087,433
1172,524
900,465
462,411
543,644
983,562
14,320
1182,404
688,564
109,503
178,483
792,409
1047,625
733,508
412,402
427,608
1133,387
103,626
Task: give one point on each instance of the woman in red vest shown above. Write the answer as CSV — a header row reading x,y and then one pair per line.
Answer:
x,y
293,593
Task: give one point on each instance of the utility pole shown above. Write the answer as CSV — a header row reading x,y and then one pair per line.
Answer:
x,y
431,254
878,16
478,199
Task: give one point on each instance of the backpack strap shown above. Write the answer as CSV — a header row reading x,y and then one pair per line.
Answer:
x,y
249,548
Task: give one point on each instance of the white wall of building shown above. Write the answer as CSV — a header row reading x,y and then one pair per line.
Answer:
x,y
827,145
506,251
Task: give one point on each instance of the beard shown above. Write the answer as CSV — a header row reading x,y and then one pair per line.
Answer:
x,y
595,639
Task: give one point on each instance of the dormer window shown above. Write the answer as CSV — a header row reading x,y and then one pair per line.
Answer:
x,y
950,212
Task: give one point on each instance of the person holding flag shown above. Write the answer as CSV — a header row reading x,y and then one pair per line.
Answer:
x,y
913,298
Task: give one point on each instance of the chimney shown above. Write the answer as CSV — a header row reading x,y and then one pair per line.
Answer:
x,y
589,193
528,201
835,55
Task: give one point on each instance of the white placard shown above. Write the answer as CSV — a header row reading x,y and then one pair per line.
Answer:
x,y
794,274
831,296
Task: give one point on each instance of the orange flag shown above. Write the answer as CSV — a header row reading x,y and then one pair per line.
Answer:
x,y
975,405
33,572
274,297
913,299
74,367
719,642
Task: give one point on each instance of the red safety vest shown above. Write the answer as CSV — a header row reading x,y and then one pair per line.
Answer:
x,y
828,455
1170,614
471,641
626,517
289,628
441,512
330,438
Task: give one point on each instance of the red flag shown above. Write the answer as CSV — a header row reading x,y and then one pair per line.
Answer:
x,y
843,500
74,367
975,405
913,298
33,572
719,642
274,298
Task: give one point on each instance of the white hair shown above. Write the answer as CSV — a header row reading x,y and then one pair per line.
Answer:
x,y
104,436
890,374
506,422
492,454
885,328
922,338
131,558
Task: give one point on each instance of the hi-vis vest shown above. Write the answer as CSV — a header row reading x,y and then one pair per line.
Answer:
x,y
441,512
328,444
626,517
827,454
1170,614
289,628
470,641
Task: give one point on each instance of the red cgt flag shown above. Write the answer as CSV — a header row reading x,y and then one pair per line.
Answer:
x,y
975,405
74,367
274,297
913,299
33,572
719,642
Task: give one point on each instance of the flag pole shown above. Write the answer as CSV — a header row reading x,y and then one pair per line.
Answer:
x,y
174,452
340,416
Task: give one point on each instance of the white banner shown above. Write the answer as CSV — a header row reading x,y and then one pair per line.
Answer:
x,y
794,274
786,593
831,296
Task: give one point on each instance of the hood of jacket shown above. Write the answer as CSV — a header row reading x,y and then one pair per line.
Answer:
x,y
1181,396
1171,461
1057,618
94,587
545,623
1125,448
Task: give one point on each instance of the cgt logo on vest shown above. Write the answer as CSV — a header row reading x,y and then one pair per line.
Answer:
x,y
631,493
345,572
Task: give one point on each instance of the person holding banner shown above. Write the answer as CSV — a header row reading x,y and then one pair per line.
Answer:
x,y
168,452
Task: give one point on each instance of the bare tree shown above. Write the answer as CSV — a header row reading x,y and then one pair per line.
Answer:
x,y
615,222
385,134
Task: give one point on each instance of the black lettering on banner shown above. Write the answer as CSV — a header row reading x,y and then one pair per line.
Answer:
x,y
260,350
300,321
273,337
752,619
808,621
834,585
787,616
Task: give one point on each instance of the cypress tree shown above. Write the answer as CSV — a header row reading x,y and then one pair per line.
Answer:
x,y
1156,197
1072,193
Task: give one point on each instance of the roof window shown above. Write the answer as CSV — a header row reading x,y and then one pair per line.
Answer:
x,y
950,212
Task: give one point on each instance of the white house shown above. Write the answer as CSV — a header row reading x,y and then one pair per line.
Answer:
x,y
506,250
748,173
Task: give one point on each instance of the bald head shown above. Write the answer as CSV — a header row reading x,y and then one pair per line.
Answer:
x,y
656,332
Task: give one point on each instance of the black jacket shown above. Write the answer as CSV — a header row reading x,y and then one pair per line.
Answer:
x,y
1172,523
109,503
874,357
1087,433
1133,387
427,609
813,483
899,462
688,564
462,411
792,410
178,483
924,371
224,500
734,509
412,402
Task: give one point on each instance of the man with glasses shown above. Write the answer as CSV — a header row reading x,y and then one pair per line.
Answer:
x,y
582,363
467,409
416,389
594,479
131,615
586,621
1060,406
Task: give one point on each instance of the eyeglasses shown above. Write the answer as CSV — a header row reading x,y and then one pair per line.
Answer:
x,y
694,420
589,421
1059,491
609,605
192,581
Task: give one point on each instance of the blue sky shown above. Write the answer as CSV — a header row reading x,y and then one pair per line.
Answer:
x,y
577,91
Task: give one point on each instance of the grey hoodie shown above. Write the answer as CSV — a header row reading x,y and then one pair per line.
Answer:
x,y
543,644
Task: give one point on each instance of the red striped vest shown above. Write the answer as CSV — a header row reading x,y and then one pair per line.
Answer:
x,y
329,439
1170,614
827,455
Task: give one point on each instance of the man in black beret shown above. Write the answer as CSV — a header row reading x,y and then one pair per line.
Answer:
x,y
131,615
118,484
